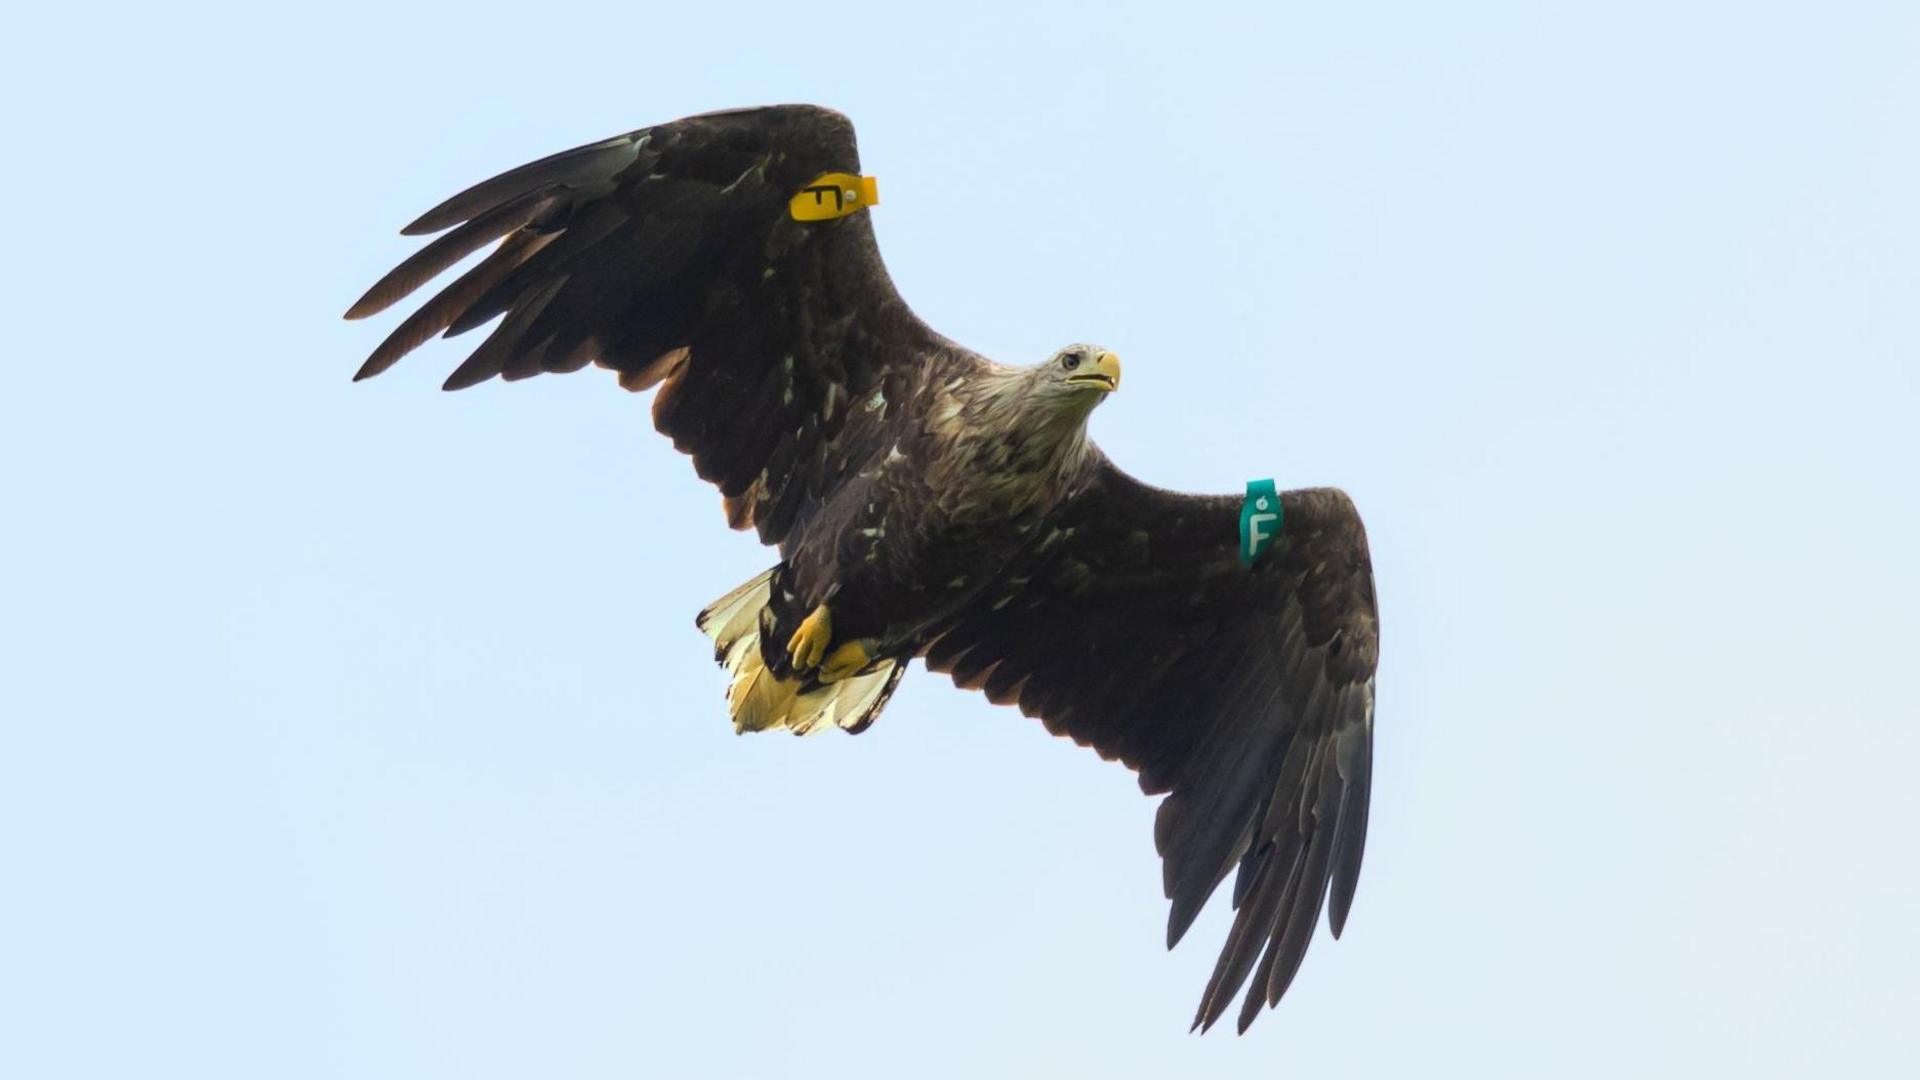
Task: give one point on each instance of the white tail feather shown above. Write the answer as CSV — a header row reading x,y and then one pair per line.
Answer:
x,y
729,618
756,699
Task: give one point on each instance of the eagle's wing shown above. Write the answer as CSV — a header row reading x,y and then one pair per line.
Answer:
x,y
1244,693
669,255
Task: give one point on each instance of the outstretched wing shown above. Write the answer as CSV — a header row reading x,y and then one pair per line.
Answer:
x,y
669,255
1245,693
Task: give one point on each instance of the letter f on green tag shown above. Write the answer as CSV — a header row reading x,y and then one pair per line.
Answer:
x,y
1260,520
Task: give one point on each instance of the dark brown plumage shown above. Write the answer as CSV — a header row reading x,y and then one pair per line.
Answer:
x,y
928,502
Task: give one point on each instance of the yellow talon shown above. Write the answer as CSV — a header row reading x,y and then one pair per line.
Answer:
x,y
846,660
809,643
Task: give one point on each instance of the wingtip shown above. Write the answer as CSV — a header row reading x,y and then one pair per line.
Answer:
x,y
1247,1017
427,224
1180,920
1339,903
374,300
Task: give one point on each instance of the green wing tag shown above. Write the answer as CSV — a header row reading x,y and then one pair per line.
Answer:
x,y
1260,520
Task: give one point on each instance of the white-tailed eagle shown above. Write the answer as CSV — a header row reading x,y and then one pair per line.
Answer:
x,y
928,502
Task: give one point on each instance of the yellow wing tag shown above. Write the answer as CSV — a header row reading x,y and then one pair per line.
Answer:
x,y
834,195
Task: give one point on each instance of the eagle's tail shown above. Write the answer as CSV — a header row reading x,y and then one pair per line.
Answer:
x,y
758,700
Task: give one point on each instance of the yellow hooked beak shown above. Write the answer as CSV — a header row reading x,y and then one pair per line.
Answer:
x,y
1104,374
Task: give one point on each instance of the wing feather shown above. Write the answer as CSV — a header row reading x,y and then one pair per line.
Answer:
x,y
667,254
427,263
438,313
581,167
1243,694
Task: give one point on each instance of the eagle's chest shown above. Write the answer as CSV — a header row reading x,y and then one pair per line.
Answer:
x,y
908,546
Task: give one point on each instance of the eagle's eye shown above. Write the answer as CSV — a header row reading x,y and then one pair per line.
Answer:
x,y
1070,361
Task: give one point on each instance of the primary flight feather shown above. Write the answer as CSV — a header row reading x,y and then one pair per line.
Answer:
x,y
928,502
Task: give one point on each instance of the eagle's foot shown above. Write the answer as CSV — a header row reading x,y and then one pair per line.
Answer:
x,y
844,662
809,643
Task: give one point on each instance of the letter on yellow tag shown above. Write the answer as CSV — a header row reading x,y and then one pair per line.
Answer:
x,y
834,195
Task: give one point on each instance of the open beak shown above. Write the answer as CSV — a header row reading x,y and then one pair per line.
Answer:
x,y
1105,373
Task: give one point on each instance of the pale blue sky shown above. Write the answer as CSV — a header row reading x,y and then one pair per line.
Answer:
x,y
363,731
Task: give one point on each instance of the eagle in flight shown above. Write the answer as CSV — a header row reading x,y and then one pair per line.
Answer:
x,y
929,502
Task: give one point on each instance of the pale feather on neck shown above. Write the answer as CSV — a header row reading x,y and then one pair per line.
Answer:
x,y
1019,438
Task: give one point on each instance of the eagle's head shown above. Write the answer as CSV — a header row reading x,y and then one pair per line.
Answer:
x,y
1060,395
1079,376
1033,421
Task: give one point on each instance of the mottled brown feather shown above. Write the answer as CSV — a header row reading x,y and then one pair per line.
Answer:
x,y
674,241
1243,693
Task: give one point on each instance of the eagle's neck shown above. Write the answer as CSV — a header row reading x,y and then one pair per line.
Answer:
x,y
1012,446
